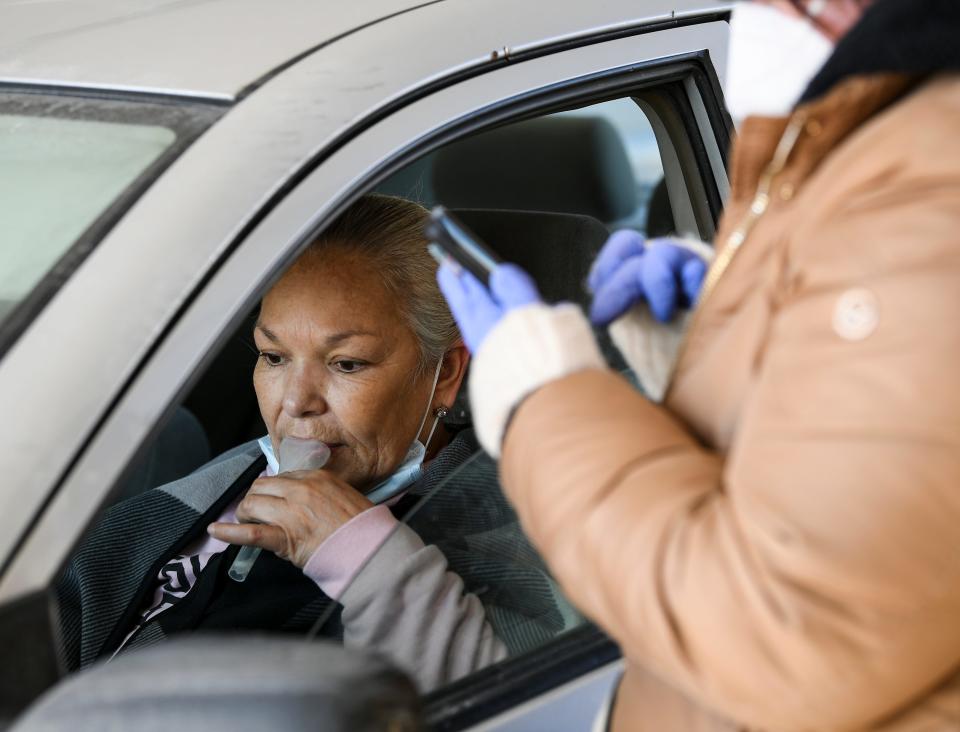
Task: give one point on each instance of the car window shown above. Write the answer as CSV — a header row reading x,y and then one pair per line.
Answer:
x,y
642,154
64,161
56,176
545,193
562,181
600,168
601,160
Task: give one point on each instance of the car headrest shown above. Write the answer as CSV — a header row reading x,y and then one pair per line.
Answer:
x,y
243,683
180,448
659,212
557,164
556,249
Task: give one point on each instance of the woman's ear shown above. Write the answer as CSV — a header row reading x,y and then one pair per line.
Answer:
x,y
452,372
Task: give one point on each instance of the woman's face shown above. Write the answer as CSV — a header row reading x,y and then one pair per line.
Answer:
x,y
339,364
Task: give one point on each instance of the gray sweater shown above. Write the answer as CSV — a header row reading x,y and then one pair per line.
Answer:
x,y
431,600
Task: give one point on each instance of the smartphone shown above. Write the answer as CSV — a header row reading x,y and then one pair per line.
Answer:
x,y
450,239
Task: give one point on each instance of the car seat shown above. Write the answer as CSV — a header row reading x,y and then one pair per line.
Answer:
x,y
659,212
180,448
556,249
559,164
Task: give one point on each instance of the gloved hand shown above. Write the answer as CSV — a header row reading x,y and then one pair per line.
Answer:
x,y
629,269
476,309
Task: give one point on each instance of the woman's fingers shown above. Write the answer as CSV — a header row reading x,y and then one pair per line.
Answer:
x,y
452,286
693,274
276,485
513,287
475,308
659,280
621,246
666,275
618,293
472,305
478,296
687,272
292,514
271,538
264,509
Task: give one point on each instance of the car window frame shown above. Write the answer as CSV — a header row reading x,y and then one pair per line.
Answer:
x,y
475,118
491,691
187,118
316,111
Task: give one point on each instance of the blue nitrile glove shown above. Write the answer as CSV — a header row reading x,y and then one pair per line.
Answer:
x,y
629,269
476,309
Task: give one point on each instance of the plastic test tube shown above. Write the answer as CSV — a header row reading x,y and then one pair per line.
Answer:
x,y
295,454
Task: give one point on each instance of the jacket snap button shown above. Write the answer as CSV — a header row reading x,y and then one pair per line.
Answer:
x,y
856,315
786,191
814,128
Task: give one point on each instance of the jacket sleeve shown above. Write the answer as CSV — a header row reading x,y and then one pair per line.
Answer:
x,y
406,605
810,576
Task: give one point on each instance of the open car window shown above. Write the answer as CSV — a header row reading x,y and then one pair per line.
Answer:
x,y
600,160
458,564
456,551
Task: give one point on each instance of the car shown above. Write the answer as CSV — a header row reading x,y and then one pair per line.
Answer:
x,y
162,162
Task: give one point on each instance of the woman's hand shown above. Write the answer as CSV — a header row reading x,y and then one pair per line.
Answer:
x,y
292,514
476,309
629,270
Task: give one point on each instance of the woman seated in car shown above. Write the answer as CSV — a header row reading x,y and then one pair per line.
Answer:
x,y
357,349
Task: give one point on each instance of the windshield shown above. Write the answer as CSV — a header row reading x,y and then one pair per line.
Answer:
x,y
64,163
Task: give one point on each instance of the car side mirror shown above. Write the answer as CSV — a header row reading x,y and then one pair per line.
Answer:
x,y
239,683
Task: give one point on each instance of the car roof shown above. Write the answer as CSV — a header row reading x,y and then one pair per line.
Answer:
x,y
204,48
211,48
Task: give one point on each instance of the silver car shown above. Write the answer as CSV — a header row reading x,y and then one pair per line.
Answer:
x,y
163,161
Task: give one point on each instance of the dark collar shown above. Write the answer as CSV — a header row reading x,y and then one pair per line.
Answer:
x,y
913,37
462,445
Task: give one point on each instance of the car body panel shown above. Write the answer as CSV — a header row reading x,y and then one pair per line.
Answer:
x,y
320,99
154,259
157,286
574,706
217,48
206,48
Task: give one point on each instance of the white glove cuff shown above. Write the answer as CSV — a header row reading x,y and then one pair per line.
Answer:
x,y
529,347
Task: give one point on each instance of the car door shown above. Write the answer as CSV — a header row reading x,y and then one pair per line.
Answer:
x,y
667,63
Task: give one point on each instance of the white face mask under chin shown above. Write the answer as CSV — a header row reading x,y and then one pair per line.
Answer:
x,y
772,59
412,466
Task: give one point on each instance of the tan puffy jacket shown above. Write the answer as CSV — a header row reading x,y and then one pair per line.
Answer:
x,y
778,546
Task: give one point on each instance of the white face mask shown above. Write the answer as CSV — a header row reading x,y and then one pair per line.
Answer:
x,y
772,59
412,466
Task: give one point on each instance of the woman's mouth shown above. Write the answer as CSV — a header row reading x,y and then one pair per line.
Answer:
x,y
332,445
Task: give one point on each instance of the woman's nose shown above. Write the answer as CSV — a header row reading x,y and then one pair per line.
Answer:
x,y
303,393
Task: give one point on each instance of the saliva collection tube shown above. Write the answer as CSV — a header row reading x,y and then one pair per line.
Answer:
x,y
294,454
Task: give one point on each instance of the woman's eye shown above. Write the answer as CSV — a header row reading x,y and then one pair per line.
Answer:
x,y
348,366
271,359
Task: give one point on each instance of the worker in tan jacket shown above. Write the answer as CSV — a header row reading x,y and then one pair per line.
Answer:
x,y
775,544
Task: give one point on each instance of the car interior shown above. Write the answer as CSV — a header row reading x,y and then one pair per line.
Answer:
x,y
530,189
544,193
